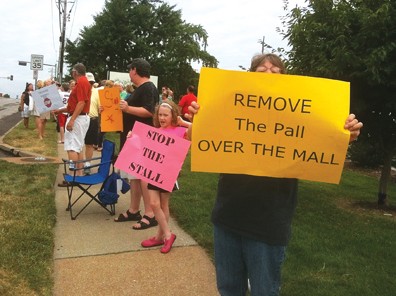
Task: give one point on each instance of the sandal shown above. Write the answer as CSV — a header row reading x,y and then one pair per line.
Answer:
x,y
130,217
143,225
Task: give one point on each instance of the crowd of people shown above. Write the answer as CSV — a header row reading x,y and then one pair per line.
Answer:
x,y
252,215
78,123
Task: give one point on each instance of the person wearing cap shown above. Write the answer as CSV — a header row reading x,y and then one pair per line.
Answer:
x,y
91,138
77,122
139,106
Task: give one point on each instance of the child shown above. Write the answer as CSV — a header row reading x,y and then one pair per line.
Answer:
x,y
165,118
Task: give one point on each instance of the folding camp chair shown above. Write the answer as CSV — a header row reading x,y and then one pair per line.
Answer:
x,y
86,182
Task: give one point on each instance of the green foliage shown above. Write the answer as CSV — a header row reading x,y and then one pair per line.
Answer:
x,y
153,30
366,154
340,243
355,41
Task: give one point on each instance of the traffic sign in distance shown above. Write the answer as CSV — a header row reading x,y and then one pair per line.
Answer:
x,y
36,62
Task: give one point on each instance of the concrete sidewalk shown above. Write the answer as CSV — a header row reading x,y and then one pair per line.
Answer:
x,y
96,256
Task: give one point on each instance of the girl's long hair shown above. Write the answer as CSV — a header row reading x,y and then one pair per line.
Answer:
x,y
27,86
174,110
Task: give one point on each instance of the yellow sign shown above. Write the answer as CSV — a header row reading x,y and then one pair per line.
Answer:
x,y
111,116
273,125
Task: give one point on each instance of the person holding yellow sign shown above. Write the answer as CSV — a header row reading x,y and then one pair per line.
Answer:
x,y
252,217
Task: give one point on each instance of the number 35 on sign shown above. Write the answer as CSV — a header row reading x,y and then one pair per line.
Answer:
x,y
36,62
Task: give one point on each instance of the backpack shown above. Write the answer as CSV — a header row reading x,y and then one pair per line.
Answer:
x,y
108,195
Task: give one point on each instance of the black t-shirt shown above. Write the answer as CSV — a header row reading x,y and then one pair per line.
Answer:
x,y
144,96
259,208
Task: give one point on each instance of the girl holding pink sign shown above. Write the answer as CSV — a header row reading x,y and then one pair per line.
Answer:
x,y
167,119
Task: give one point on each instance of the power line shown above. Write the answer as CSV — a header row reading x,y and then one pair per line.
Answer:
x,y
74,17
59,15
52,26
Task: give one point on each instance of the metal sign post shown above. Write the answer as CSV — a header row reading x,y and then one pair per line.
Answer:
x,y
35,77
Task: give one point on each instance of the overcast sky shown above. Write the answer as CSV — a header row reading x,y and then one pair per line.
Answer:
x,y
234,29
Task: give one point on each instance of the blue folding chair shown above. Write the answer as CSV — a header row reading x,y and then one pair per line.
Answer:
x,y
86,182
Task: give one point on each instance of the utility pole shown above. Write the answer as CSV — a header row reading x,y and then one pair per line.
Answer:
x,y
62,10
65,15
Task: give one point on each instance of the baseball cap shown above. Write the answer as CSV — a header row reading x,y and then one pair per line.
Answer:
x,y
142,67
90,77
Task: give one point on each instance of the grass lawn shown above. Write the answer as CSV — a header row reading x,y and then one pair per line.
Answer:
x,y
341,244
27,216
27,138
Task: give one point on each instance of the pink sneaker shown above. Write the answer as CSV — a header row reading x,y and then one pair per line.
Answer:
x,y
168,244
152,242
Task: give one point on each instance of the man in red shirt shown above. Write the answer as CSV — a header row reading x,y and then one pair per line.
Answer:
x,y
186,101
78,120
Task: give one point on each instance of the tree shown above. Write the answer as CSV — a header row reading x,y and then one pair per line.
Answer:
x,y
352,40
150,29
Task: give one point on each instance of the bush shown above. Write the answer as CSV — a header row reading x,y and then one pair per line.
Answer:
x,y
366,154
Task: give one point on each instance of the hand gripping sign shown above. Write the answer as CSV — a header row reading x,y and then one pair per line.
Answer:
x,y
153,155
261,124
47,99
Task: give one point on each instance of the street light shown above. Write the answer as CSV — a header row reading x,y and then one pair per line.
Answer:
x,y
11,77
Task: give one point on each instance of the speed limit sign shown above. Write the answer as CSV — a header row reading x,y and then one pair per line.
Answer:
x,y
36,62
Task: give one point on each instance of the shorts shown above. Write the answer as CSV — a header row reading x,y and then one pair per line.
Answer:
x,y
25,113
74,139
45,115
91,138
125,175
62,119
152,187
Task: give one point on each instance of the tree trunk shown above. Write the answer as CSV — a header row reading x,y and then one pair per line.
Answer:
x,y
384,179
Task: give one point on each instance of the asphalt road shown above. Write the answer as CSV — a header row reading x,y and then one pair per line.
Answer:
x,y
9,117
6,123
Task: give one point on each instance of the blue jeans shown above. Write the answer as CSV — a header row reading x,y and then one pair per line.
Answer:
x,y
238,259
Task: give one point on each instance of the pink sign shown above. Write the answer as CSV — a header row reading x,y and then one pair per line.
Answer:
x,y
153,155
